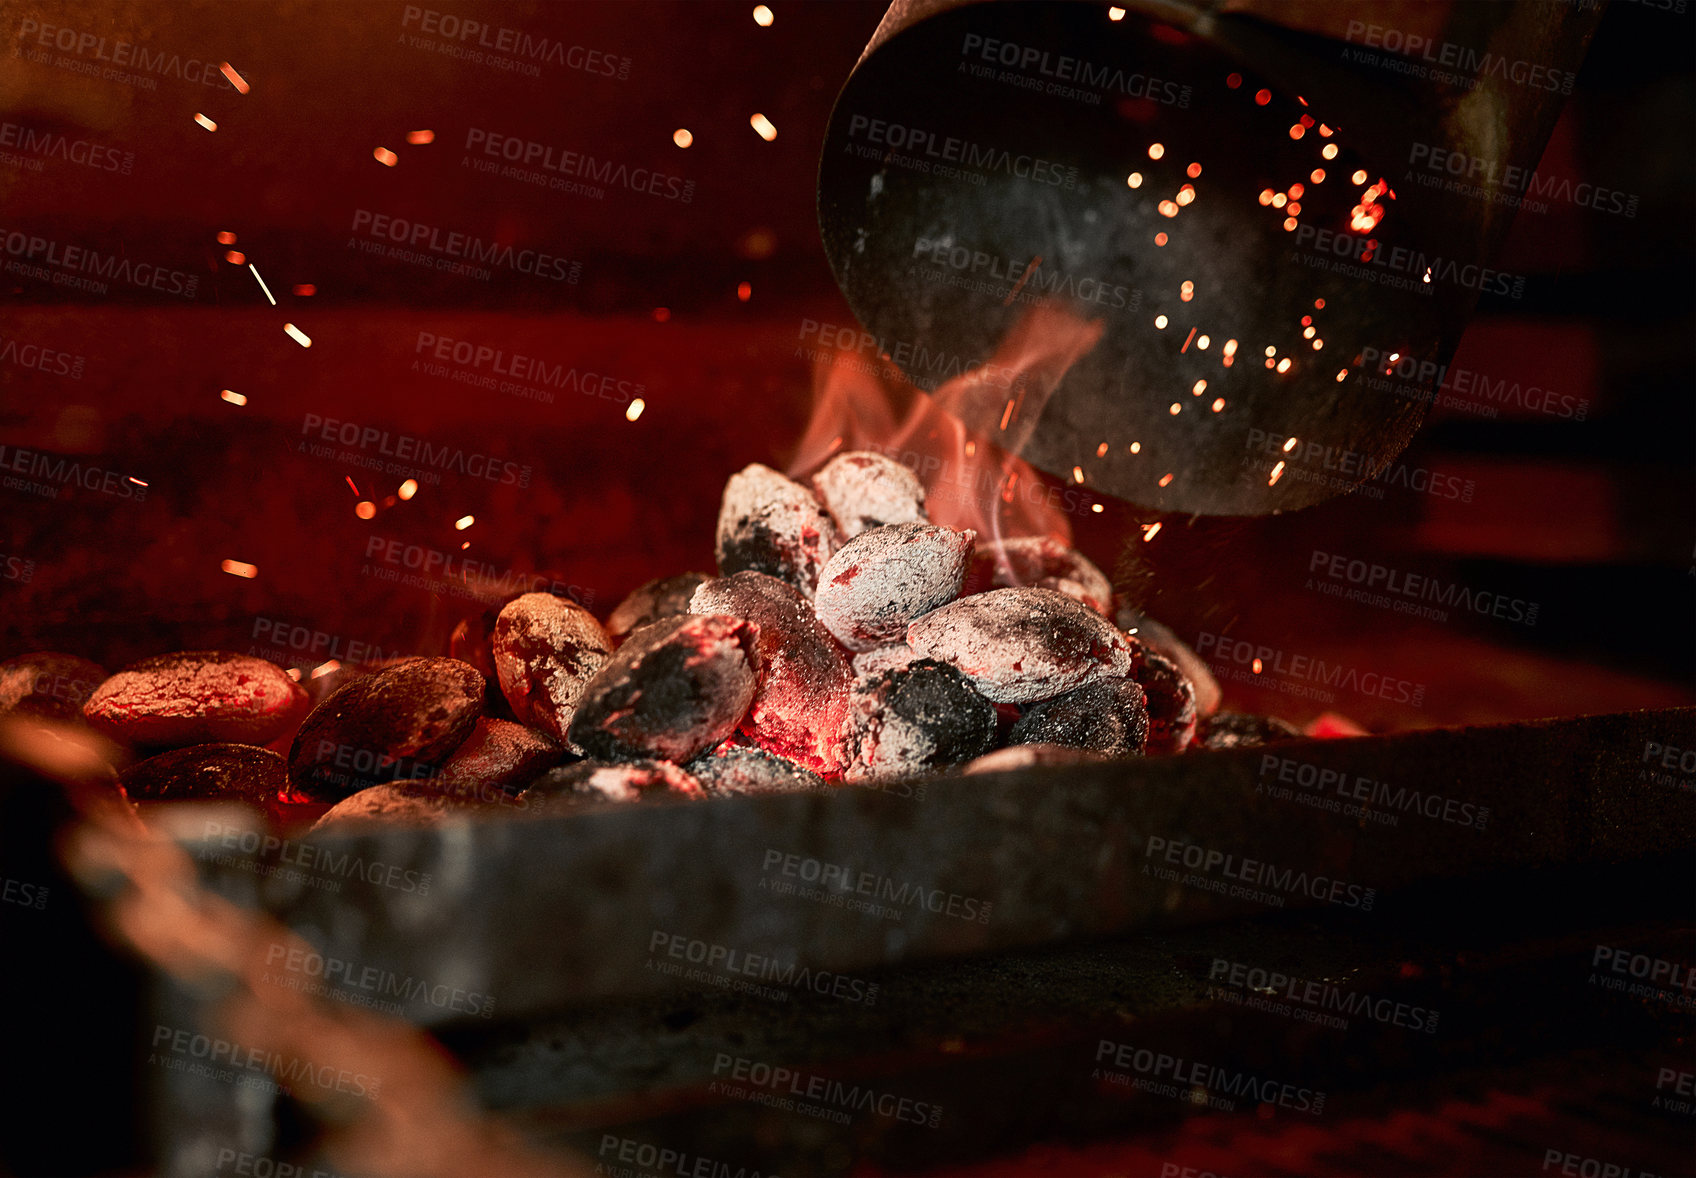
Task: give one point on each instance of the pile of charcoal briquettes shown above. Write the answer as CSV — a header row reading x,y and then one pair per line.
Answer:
x,y
845,640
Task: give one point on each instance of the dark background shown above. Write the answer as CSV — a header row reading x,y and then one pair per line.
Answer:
x,y
1591,519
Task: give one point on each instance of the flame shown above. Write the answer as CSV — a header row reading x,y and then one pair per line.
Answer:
x,y
973,478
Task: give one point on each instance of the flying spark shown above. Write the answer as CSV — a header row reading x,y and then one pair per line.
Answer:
x,y
262,285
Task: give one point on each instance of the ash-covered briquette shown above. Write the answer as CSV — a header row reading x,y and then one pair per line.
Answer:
x,y
1025,756
1241,730
879,582
663,597
862,489
1160,637
884,658
240,772
499,757
1107,717
400,722
738,769
770,524
546,650
801,699
1171,703
1023,645
673,690
49,684
916,719
1043,562
197,697
393,802
598,783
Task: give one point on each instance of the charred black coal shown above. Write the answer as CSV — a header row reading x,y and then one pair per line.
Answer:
x,y
598,783
1107,717
740,769
916,719
1242,730
241,772
663,597
1171,703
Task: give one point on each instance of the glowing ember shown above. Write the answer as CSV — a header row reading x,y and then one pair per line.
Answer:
x,y
1289,224
1160,322
763,127
351,485
1318,344
1265,197
305,290
1308,333
1134,180
1277,472
1186,292
463,522
408,489
1161,239
1150,531
1295,191
263,287
1007,413
1156,150
205,122
1319,304
365,509
1115,14
1193,171
1168,208
744,291
1280,200
763,16
1218,404
1101,450
1187,338
296,334
1284,364
1233,80
1186,194
1166,479
1271,351
1257,666
1097,508
1175,409
240,568
1077,474
236,80
232,397
1202,343
226,238
1294,209
635,409
1136,447
1297,131
234,257
1198,388
385,157
1359,177
328,668
418,138
1317,175
682,137
137,481
1342,375
1329,151
1262,97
